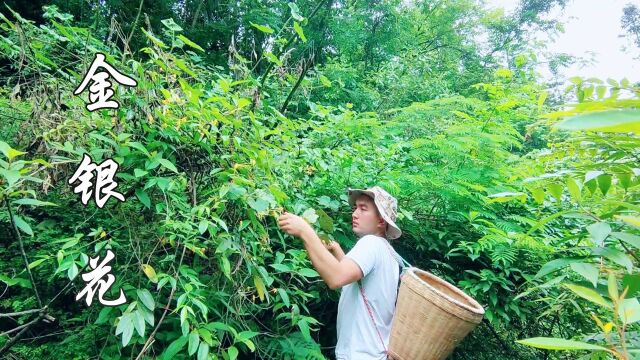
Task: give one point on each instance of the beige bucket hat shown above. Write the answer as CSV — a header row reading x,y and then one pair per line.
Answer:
x,y
387,206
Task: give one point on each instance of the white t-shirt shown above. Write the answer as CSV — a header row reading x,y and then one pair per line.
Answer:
x,y
357,337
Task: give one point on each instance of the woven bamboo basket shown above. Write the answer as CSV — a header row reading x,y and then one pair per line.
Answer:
x,y
431,317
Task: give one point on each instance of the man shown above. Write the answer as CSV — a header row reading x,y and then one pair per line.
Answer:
x,y
371,260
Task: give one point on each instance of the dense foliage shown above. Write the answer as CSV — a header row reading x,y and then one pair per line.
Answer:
x,y
526,197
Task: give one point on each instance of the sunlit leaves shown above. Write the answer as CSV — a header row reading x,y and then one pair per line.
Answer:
x,y
171,25
599,231
559,344
589,294
607,121
150,272
9,152
588,271
298,30
263,28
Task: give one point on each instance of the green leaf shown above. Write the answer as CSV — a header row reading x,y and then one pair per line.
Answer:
x,y
194,342
33,202
588,271
612,286
295,11
154,39
125,326
150,272
103,316
326,223
541,99
507,196
171,25
616,256
280,267
233,353
607,121
538,195
168,164
37,262
174,348
633,282
148,315
263,28
138,322
284,296
246,335
604,183
631,220
203,226
140,147
143,197
574,189
147,299
325,81
257,281
189,42
556,191
629,310
599,232
203,351
554,265
299,31
633,240
70,243
12,176
588,294
139,173
258,205
310,216
624,180
304,328
9,152
226,267
559,344
592,185
22,225
306,272
72,271
272,58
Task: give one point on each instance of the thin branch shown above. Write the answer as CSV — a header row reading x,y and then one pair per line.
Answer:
x,y
151,339
292,39
24,327
20,313
307,65
24,255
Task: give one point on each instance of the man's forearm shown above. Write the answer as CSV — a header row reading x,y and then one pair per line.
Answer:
x,y
325,263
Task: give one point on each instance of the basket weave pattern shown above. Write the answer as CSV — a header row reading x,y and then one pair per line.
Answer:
x,y
431,317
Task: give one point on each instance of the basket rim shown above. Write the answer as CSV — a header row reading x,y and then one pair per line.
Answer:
x,y
476,309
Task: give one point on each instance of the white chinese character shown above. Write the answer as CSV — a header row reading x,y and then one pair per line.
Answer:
x,y
104,180
100,91
96,281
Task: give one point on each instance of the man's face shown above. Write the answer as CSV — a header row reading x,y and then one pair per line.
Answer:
x,y
365,217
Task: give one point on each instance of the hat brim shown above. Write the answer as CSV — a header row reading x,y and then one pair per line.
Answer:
x,y
393,231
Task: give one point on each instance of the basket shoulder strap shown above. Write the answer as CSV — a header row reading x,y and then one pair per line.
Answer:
x,y
366,303
401,261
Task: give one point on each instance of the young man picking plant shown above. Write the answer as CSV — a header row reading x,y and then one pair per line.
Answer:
x,y
368,271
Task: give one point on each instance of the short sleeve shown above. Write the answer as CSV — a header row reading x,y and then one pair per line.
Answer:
x,y
364,253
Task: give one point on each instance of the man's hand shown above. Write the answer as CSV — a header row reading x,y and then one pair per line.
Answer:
x,y
335,248
293,224
332,246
